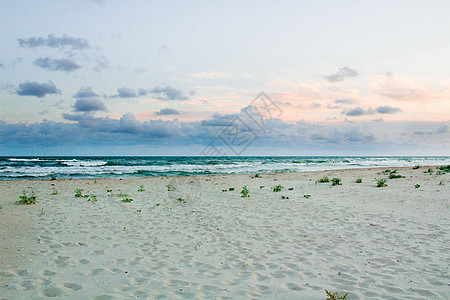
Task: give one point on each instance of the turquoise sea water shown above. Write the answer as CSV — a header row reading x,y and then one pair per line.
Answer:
x,y
14,168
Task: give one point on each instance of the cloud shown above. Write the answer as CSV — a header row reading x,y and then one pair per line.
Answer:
x,y
55,42
344,101
168,93
380,119
387,109
87,101
340,75
33,88
344,135
85,92
397,87
357,111
440,130
65,65
315,105
126,93
167,112
89,105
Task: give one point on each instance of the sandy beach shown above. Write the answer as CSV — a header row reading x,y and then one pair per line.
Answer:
x,y
197,238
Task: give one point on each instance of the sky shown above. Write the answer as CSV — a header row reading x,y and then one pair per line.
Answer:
x,y
224,77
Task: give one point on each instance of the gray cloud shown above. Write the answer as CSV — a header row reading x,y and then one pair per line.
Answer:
x,y
167,112
87,101
315,105
33,88
387,109
126,93
55,42
344,101
89,105
85,92
50,64
340,75
440,130
168,93
142,92
357,111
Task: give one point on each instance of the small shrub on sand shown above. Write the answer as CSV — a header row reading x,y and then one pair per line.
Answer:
x,y
395,176
335,296
27,199
336,181
277,188
324,179
127,200
381,182
358,180
78,193
417,186
307,196
245,192
141,188
170,188
416,167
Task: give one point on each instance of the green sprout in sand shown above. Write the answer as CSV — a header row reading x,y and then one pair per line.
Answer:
x,y
381,182
417,186
324,179
336,181
127,200
78,193
141,188
277,188
27,199
170,188
358,180
307,196
245,192
335,296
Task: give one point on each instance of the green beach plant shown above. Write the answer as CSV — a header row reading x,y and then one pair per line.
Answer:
x,y
336,181
127,200
358,180
231,189
324,179
291,189
245,192
277,188
78,193
141,188
261,186
416,167
27,197
381,182
170,188
307,196
395,176
335,296
181,200
417,186
91,198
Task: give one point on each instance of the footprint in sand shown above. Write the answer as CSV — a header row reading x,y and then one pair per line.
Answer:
x,y
52,292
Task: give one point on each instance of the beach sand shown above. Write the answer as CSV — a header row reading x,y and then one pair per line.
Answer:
x,y
379,243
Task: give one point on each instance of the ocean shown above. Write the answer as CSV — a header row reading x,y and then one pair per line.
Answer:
x,y
16,168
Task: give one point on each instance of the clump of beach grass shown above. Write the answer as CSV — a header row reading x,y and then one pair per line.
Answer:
x,y
381,182
336,181
324,179
358,180
277,188
335,296
27,197
245,192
